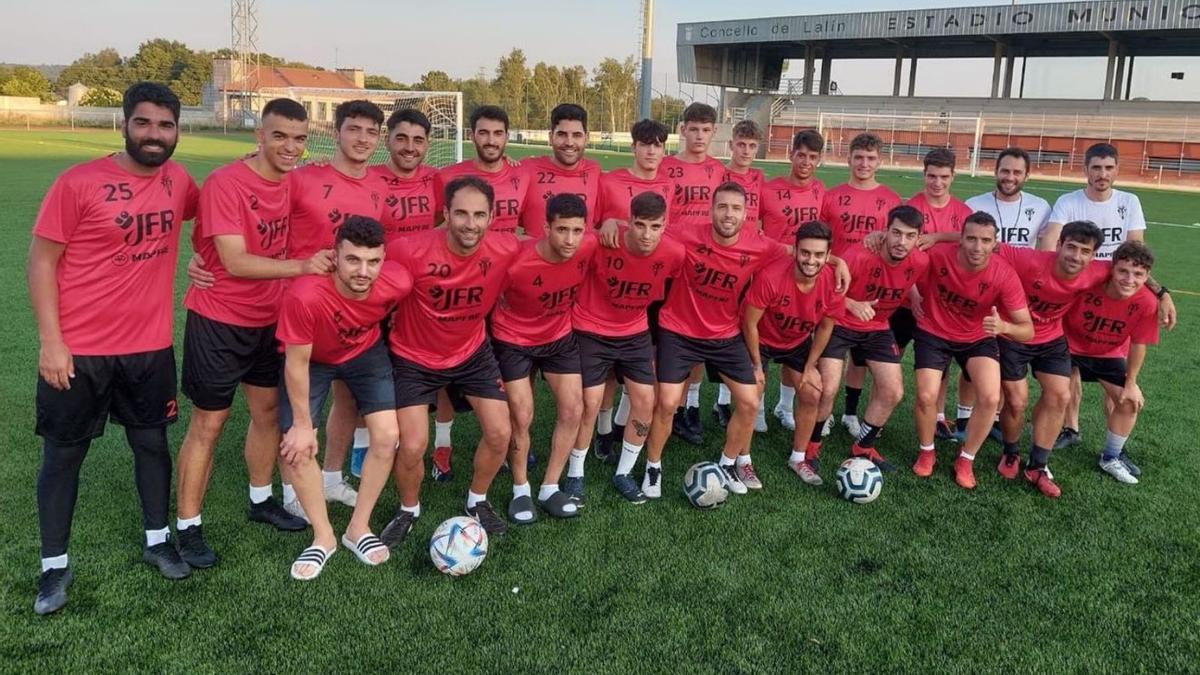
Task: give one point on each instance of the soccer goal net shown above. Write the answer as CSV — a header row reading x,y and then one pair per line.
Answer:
x,y
906,138
444,110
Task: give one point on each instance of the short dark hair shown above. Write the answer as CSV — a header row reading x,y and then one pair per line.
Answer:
x,y
360,231
565,205
150,92
1014,152
700,112
729,186
568,111
981,218
285,108
649,132
648,205
1100,150
808,138
940,157
909,215
473,182
1082,231
356,108
747,129
411,116
866,141
814,229
1136,252
488,112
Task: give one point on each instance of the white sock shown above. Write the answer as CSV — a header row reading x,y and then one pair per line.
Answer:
x,y
787,396
629,457
604,421
332,478
575,462
156,537
473,498
726,461
996,419
743,460
964,411
926,448
654,465
362,437
622,416
58,562
967,456
693,395
796,457
723,396
547,491
521,490
185,523
289,493
415,510
259,495
441,434
941,417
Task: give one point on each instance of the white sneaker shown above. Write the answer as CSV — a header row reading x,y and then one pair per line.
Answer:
x,y
293,507
785,417
749,477
343,493
805,471
851,424
733,482
828,428
760,422
1117,469
652,483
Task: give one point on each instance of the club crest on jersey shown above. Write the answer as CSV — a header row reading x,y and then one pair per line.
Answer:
x,y
879,204
1122,210
167,184
515,182
656,268
709,171
1029,214
983,286
908,273
426,180
485,266
704,249
743,260
1132,309
375,199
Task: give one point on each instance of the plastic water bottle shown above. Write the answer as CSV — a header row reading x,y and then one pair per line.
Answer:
x,y
359,452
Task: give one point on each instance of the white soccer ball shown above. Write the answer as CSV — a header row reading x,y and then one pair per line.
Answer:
x,y
859,480
705,485
459,545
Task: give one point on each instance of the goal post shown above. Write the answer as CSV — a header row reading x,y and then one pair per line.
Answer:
x,y
906,138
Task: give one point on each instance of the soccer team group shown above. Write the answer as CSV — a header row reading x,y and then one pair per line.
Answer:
x,y
399,289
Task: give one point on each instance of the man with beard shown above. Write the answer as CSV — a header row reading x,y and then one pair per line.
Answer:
x,y
101,274
565,170
531,333
330,329
439,341
405,180
1020,215
241,236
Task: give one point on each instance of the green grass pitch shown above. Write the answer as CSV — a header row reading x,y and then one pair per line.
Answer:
x,y
929,577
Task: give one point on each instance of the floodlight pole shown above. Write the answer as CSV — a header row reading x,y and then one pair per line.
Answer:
x,y
647,55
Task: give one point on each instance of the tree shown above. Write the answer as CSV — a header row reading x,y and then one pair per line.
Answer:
x,y
616,87
512,80
383,82
435,80
668,110
25,81
102,69
545,91
477,91
103,97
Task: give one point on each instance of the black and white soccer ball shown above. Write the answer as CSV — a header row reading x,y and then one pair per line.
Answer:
x,y
859,480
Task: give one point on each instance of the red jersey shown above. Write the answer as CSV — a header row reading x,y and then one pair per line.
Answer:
x,y
509,183
955,301
692,188
322,199
116,276
547,179
339,329
948,218
237,201
441,323
1048,296
874,278
703,302
853,213
408,203
752,181
786,206
1101,326
535,307
618,188
621,284
790,315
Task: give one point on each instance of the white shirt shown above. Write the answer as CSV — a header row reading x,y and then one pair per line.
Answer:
x,y
1020,221
1116,217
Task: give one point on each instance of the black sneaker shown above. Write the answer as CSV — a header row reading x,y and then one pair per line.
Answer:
x,y
194,550
52,590
165,558
722,412
394,533
682,430
573,487
629,488
270,511
1068,437
694,424
493,524
1129,465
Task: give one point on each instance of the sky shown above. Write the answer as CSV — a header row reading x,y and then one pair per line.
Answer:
x,y
403,39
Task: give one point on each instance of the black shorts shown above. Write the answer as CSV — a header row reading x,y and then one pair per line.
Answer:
x,y
517,362
368,376
904,326
136,390
1097,369
863,346
794,358
652,312
219,356
1051,358
629,358
936,353
478,376
677,354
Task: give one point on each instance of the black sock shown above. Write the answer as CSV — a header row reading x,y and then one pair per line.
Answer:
x,y
1038,457
852,394
152,471
815,436
961,424
870,432
1013,448
57,490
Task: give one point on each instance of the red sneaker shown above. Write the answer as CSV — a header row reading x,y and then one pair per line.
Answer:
x,y
964,473
925,461
441,470
1044,482
873,455
1010,466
